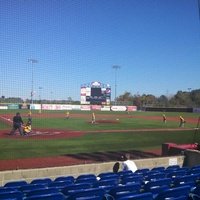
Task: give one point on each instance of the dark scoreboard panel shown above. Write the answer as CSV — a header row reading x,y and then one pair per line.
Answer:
x,y
96,93
96,96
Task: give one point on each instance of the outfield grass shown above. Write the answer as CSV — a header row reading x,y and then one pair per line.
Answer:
x,y
12,148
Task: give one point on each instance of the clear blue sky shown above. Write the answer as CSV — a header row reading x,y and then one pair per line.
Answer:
x,y
156,43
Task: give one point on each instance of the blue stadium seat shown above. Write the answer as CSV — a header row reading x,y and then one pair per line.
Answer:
x,y
141,196
157,183
86,176
173,167
30,187
121,190
15,195
77,186
158,169
89,193
135,178
195,193
16,184
185,180
176,173
42,191
59,184
174,193
194,171
90,180
103,174
142,171
180,198
124,173
45,181
111,176
156,176
109,182
52,196
156,190
65,178
196,167
8,189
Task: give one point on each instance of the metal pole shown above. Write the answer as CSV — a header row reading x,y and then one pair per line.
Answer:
x,y
116,67
40,99
32,62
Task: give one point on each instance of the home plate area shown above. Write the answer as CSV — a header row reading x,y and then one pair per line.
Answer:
x,y
34,133
53,134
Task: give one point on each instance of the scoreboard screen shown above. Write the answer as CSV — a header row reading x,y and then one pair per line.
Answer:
x,y
96,93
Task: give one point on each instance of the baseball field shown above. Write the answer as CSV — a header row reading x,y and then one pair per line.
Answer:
x,y
57,141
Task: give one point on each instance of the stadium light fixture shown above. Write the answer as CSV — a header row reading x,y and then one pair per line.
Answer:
x,y
33,61
116,67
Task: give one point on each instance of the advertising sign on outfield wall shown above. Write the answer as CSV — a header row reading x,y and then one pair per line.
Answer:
x,y
118,108
13,106
56,107
3,107
85,107
37,106
105,108
76,107
131,108
95,107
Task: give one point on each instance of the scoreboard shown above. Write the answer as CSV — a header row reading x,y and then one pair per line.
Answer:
x,y
96,93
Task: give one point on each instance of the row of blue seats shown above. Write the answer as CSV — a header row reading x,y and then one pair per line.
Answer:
x,y
183,193
138,185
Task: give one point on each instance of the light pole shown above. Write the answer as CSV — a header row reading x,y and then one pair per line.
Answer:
x,y
40,98
33,61
51,100
116,67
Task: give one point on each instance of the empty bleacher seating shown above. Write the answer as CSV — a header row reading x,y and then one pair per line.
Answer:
x,y
159,183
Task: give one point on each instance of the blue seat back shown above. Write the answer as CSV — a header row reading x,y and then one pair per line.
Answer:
x,y
77,186
159,182
30,187
122,189
91,192
141,196
174,192
155,176
59,184
16,184
17,195
42,191
52,196
45,181
65,178
132,179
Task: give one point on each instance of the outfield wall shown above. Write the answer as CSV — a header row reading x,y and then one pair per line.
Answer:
x,y
76,170
58,107
96,107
